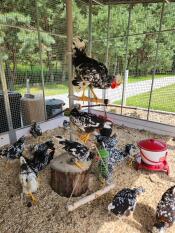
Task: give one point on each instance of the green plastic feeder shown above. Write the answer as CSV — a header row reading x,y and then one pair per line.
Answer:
x,y
103,165
104,153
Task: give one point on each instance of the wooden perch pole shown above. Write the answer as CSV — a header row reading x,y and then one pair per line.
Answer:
x,y
91,197
87,99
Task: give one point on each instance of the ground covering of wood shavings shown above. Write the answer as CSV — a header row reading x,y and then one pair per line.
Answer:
x,y
165,118
50,215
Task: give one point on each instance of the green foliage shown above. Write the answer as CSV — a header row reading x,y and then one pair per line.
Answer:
x,y
19,36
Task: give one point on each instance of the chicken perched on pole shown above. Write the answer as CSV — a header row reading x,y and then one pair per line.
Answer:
x,y
89,123
90,72
77,151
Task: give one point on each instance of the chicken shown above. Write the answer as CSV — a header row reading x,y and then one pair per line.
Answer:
x,y
89,72
42,155
78,152
66,124
165,214
124,202
14,151
35,130
28,179
88,123
115,155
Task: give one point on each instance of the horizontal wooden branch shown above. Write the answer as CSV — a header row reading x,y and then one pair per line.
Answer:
x,y
91,197
85,98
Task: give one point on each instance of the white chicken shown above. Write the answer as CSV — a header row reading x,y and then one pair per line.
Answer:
x,y
28,180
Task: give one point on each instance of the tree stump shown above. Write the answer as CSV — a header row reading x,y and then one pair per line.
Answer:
x,y
64,176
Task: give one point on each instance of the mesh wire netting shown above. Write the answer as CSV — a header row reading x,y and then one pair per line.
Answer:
x,y
33,47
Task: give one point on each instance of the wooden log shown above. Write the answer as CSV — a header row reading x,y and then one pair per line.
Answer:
x,y
65,176
91,197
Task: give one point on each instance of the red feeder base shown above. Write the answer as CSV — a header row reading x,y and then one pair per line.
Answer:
x,y
161,167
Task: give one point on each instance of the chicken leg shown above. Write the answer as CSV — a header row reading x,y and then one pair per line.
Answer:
x,y
34,200
85,137
83,97
95,97
79,165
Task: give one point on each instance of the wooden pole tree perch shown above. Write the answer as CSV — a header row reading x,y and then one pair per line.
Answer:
x,y
91,197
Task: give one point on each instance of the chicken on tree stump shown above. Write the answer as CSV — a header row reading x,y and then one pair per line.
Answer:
x,y
68,180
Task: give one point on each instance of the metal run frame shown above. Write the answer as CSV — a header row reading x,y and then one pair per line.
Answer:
x,y
126,37
69,53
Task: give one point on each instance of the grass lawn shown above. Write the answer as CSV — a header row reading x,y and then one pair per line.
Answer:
x,y
132,79
50,89
162,99
56,89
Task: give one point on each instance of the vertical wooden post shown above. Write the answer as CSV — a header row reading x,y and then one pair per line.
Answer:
x,y
69,21
12,134
41,57
69,48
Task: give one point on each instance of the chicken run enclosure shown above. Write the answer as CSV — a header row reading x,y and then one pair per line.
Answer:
x,y
135,39
40,41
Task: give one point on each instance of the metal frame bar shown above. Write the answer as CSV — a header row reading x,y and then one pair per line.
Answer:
x,y
41,58
126,52
137,34
126,2
107,47
89,41
11,132
156,56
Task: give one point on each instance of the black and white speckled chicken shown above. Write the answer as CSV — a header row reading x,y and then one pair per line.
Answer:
x,y
42,155
66,124
165,214
89,123
14,151
124,202
89,72
28,179
78,151
35,130
115,155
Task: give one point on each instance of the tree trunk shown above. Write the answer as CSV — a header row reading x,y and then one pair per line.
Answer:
x,y
67,178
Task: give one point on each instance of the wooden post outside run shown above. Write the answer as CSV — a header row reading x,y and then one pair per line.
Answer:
x,y
91,197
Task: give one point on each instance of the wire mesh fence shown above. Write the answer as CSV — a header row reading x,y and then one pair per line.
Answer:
x,y
33,48
33,44
150,56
